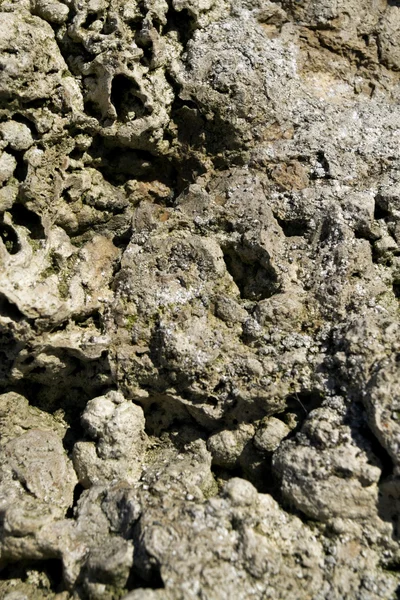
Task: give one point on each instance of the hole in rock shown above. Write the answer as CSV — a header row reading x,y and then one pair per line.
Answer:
x,y
146,46
77,154
323,162
362,234
122,240
254,467
10,238
110,24
90,19
220,387
135,22
9,309
9,349
178,103
37,103
327,230
396,289
293,227
78,491
145,572
28,360
254,280
163,413
126,98
394,566
75,431
48,392
89,319
25,121
38,371
381,211
121,165
49,572
377,450
182,22
222,474
152,581
304,402
27,218
92,109
147,54
21,169
191,124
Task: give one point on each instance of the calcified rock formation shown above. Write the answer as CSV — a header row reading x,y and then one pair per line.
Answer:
x,y
199,299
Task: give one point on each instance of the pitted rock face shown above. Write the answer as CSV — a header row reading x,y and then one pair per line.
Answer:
x,y
121,60
199,299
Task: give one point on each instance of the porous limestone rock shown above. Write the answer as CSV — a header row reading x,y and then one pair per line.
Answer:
x,y
118,428
199,299
326,472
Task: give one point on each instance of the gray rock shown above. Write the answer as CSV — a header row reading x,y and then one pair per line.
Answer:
x,y
325,474
270,434
117,426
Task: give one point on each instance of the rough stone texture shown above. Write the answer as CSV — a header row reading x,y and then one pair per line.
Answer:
x,y
199,299
118,428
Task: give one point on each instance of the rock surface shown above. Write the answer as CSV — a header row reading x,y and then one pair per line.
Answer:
x,y
199,299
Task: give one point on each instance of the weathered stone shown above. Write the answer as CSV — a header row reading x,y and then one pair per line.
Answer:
x,y
199,319
117,426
